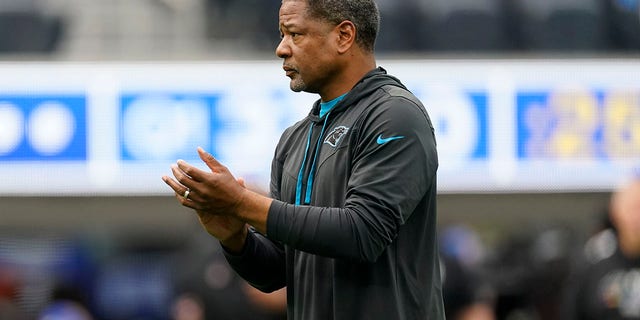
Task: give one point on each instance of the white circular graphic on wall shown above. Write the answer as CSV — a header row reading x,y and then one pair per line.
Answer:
x,y
162,128
51,128
11,127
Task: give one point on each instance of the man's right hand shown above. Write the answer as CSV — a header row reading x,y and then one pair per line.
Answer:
x,y
229,230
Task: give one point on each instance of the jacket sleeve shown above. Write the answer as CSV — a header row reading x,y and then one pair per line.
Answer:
x,y
261,262
388,179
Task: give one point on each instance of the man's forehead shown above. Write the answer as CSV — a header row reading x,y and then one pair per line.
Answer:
x,y
293,8
297,5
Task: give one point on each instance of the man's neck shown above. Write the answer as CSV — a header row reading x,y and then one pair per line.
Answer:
x,y
356,70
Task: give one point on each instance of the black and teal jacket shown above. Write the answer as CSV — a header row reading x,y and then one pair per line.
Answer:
x,y
352,232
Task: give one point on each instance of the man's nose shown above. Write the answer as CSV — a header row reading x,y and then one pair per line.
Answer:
x,y
283,50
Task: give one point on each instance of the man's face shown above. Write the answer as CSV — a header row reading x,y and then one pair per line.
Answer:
x,y
306,48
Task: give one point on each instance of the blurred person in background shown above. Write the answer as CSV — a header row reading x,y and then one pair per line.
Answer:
x,y
65,310
67,302
606,281
9,287
350,228
467,292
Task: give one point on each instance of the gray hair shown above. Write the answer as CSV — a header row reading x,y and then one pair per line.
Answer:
x,y
363,13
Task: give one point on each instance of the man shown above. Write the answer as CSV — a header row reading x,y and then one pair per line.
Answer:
x,y
607,284
350,228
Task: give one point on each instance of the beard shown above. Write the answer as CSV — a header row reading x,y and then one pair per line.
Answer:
x,y
297,84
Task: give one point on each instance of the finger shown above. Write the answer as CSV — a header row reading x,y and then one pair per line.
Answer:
x,y
192,200
180,191
182,177
210,160
187,202
173,184
191,172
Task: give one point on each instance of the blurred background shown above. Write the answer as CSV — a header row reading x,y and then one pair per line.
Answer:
x,y
536,105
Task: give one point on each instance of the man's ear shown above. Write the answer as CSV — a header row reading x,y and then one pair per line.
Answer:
x,y
346,35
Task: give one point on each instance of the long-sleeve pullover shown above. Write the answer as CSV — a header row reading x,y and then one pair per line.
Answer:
x,y
352,232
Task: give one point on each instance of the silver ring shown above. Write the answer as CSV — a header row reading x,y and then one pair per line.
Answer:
x,y
186,194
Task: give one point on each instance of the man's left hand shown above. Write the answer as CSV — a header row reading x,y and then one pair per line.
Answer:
x,y
216,192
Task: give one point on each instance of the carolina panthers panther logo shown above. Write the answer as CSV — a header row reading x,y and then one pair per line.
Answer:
x,y
333,138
